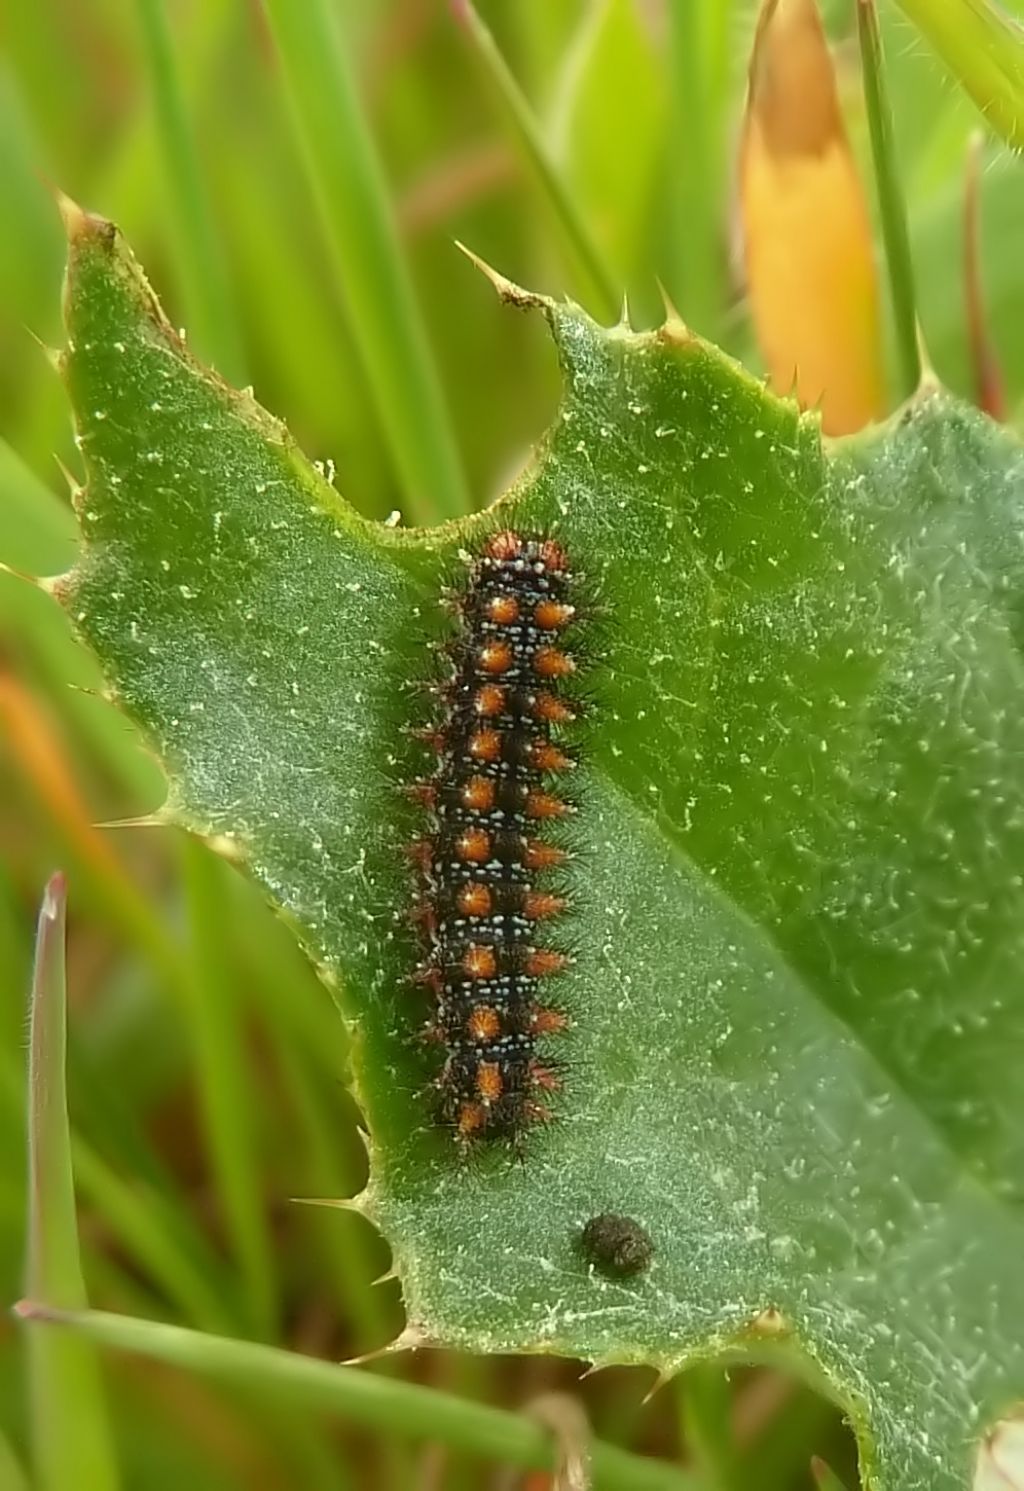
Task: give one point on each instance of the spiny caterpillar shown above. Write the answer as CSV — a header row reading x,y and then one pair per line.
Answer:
x,y
485,897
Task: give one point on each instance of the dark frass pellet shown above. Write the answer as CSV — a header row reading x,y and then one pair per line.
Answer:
x,y
616,1245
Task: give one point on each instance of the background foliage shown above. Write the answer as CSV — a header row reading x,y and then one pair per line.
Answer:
x,y
206,1063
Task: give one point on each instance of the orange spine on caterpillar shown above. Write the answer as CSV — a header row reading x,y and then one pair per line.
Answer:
x,y
484,899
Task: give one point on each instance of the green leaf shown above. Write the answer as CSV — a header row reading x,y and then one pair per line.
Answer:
x,y
64,1385
609,124
824,1478
12,1476
984,48
209,292
892,207
529,138
382,309
398,1408
798,999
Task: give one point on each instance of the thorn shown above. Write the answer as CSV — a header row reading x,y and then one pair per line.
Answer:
x,y
54,355
770,1322
20,574
144,820
55,586
665,1374
75,487
386,1277
409,1339
624,320
930,381
509,292
77,222
366,1142
671,313
357,1203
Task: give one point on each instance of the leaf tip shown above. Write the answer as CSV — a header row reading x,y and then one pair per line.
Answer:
x,y
54,897
33,1311
824,1476
81,226
28,1309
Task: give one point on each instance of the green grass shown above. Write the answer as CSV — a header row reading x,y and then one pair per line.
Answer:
x,y
294,179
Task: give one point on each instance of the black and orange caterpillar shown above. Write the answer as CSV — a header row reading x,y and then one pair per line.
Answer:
x,y
484,899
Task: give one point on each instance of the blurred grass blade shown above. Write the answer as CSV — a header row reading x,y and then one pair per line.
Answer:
x,y
988,377
807,236
984,48
892,207
12,1476
149,1231
35,748
824,1477
566,1417
229,1105
209,293
696,278
385,320
72,1444
706,1400
35,526
607,292
385,1403
606,131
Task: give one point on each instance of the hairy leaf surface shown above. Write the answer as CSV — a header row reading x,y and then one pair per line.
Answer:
x,y
798,900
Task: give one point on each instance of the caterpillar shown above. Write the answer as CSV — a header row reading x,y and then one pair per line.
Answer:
x,y
485,899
